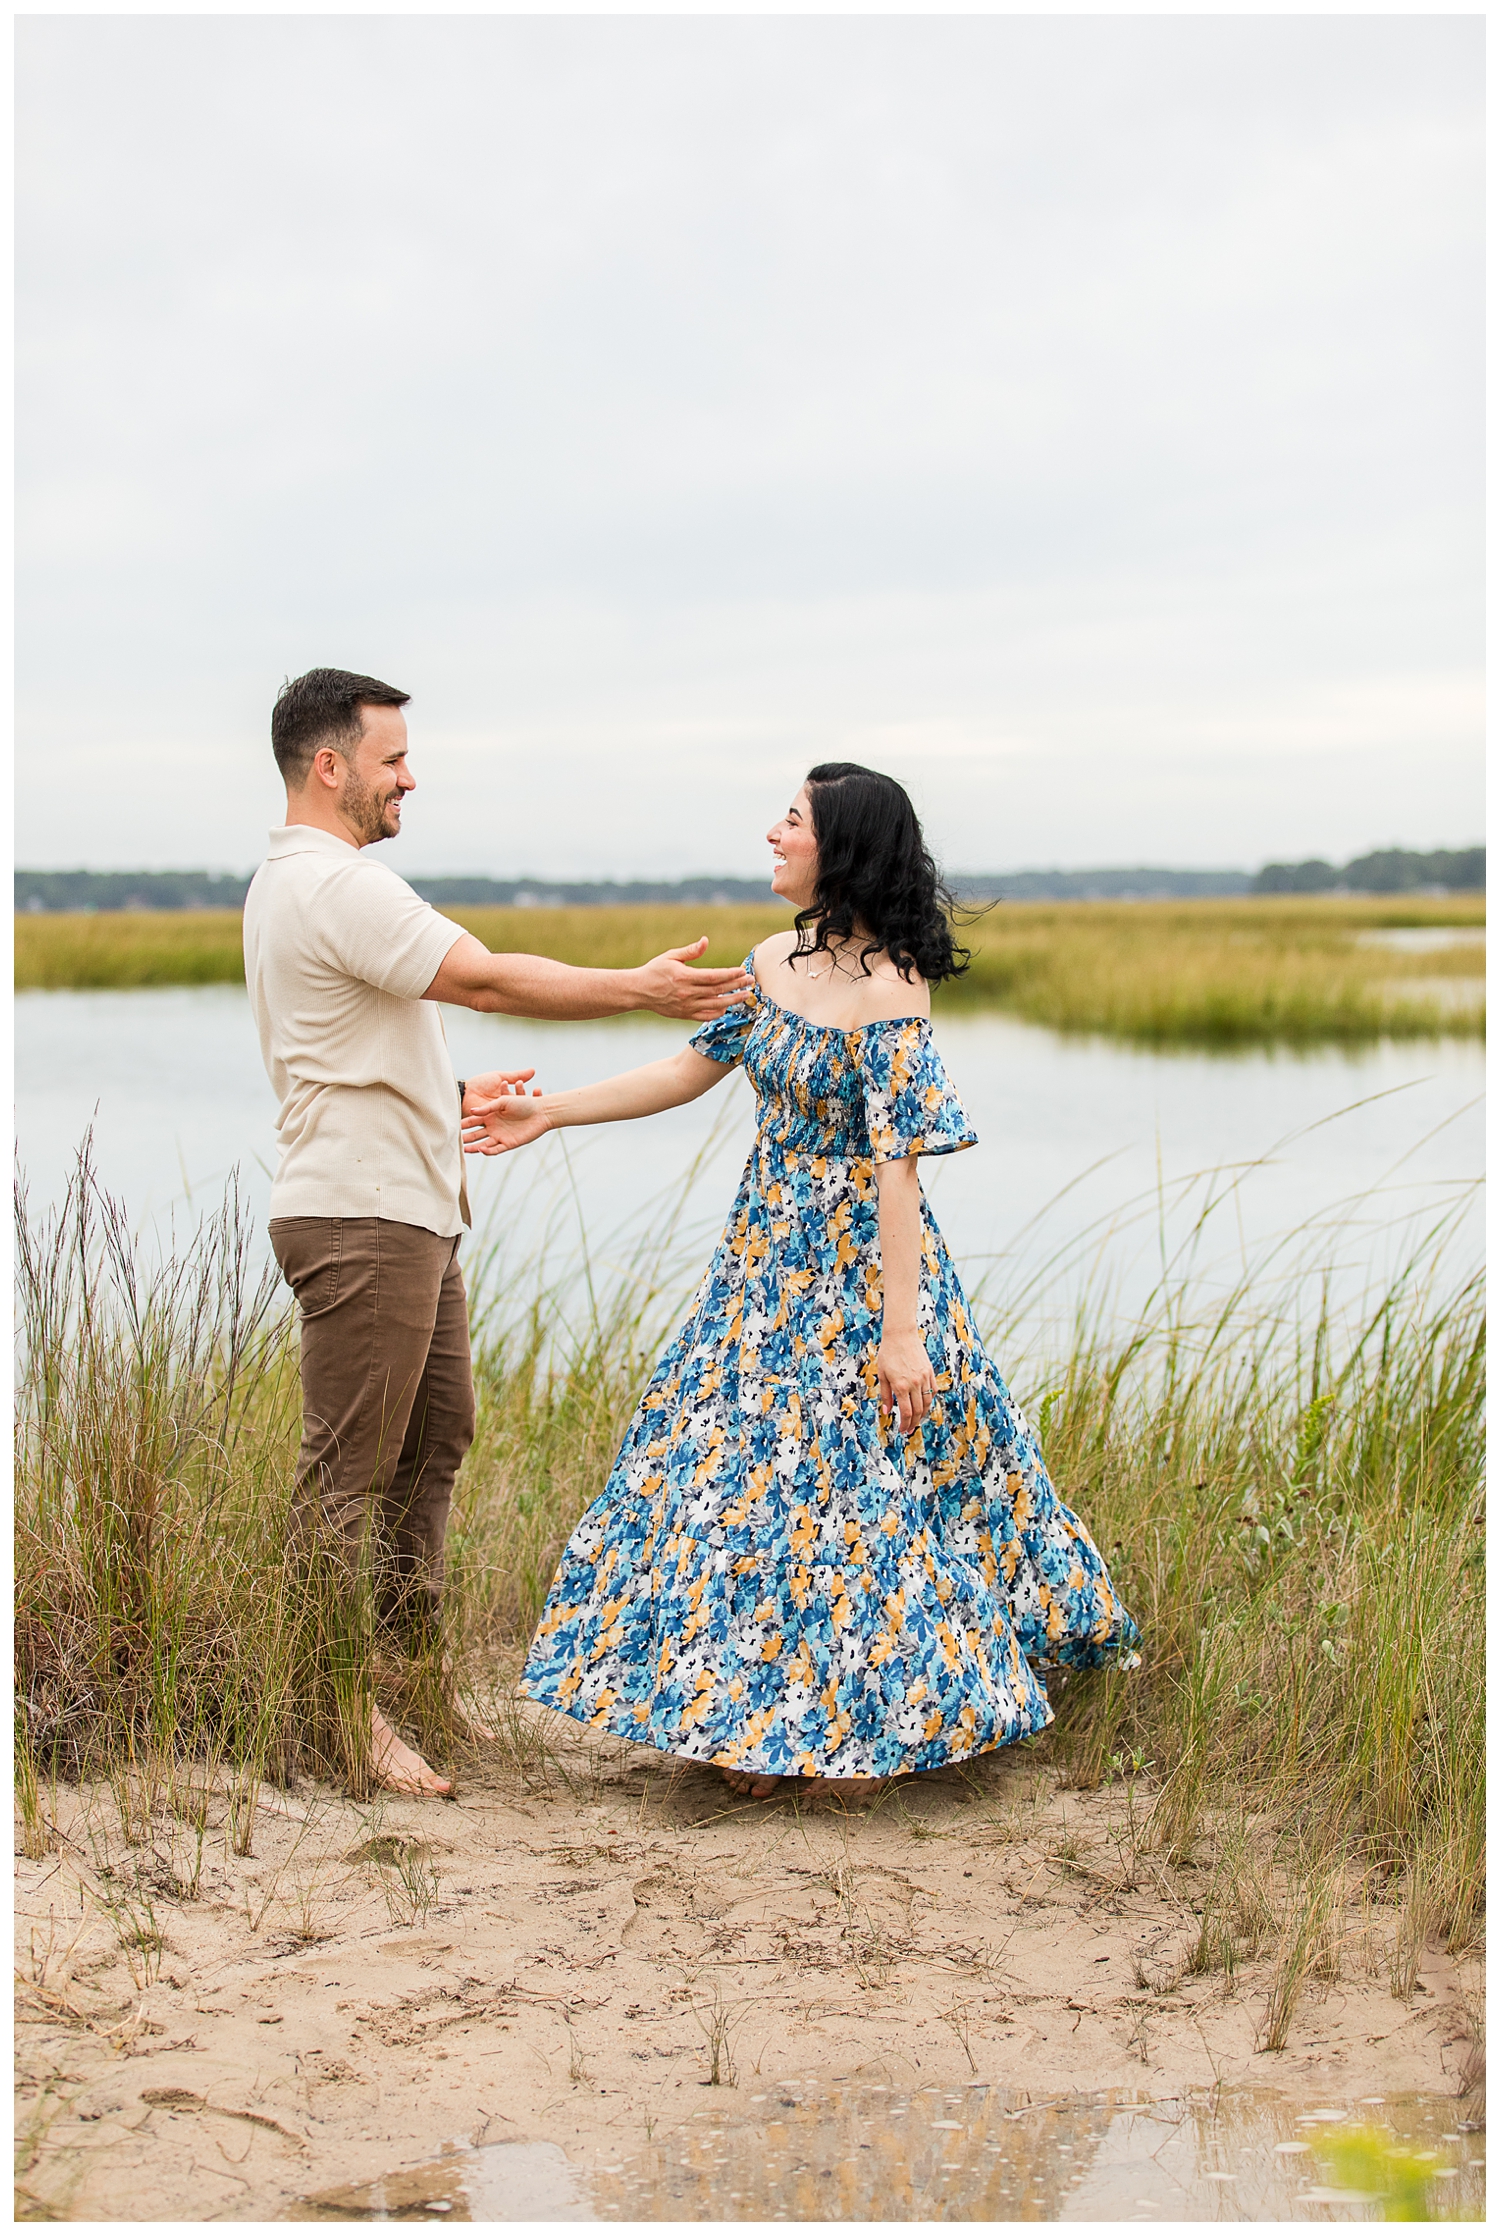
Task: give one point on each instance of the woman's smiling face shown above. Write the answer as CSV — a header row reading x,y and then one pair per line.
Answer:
x,y
794,853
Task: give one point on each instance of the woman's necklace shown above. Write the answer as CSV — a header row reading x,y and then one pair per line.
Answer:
x,y
837,964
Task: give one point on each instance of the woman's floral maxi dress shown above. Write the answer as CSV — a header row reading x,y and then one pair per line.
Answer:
x,y
773,1579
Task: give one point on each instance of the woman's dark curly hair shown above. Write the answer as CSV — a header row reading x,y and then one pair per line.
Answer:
x,y
876,877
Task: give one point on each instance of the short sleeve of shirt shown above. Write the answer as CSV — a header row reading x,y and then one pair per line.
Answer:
x,y
910,1105
723,1041
371,924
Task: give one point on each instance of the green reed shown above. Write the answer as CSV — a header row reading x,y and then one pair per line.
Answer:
x,y
1289,1497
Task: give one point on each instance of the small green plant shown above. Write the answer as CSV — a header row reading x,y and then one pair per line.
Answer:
x,y
130,1906
958,2021
191,1803
1376,2168
36,1839
50,1968
716,2020
411,1882
577,2064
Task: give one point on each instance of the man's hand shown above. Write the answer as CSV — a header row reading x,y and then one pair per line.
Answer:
x,y
498,1114
481,1089
673,989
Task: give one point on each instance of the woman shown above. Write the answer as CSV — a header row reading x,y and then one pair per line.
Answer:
x,y
829,1550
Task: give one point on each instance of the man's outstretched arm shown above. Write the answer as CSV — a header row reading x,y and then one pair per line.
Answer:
x,y
534,986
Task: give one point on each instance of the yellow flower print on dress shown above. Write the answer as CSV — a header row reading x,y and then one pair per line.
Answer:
x,y
773,1578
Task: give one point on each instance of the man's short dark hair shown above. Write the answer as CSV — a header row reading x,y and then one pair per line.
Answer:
x,y
323,708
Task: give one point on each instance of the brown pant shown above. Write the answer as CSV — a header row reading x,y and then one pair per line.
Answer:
x,y
387,1399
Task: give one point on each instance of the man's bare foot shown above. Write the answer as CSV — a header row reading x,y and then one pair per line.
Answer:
x,y
754,1784
399,1768
844,1790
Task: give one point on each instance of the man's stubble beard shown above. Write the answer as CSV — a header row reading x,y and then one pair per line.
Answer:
x,y
365,809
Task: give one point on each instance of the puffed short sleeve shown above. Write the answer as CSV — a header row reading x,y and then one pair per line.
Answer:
x,y
723,1041
911,1108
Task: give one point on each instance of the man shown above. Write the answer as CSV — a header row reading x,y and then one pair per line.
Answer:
x,y
346,967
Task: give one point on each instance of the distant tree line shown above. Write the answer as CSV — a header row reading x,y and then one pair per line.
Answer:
x,y
1393,871
1103,885
104,890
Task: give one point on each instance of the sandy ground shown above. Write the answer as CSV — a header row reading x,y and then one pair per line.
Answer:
x,y
553,1957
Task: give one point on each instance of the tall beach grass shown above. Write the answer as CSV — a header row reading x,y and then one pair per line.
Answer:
x,y
157,1404
1216,973
1290,1499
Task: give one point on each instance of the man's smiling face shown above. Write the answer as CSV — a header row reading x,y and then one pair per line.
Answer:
x,y
376,777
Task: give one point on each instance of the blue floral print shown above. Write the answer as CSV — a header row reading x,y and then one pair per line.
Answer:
x,y
774,1579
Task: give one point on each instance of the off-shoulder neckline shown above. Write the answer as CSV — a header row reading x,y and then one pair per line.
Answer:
x,y
845,1032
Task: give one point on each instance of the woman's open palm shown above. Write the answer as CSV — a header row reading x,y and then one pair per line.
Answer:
x,y
507,1120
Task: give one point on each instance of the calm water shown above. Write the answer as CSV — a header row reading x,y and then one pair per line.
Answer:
x,y
970,2154
1085,1168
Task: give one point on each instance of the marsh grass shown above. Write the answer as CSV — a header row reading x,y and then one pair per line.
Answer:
x,y
1289,1496
1212,973
202,947
186,947
1226,973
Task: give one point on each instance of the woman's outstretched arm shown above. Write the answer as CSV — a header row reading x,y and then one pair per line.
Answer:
x,y
510,1121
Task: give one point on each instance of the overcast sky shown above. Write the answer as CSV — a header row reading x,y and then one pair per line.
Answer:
x,y
1078,418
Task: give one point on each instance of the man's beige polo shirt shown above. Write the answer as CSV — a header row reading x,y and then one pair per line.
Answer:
x,y
338,952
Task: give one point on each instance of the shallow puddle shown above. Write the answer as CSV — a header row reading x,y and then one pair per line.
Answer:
x,y
860,2153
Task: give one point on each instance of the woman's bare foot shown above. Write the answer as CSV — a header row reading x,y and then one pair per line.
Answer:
x,y
471,1722
399,1768
754,1784
845,1790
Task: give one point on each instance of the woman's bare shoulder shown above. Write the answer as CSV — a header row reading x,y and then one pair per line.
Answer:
x,y
886,994
769,953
